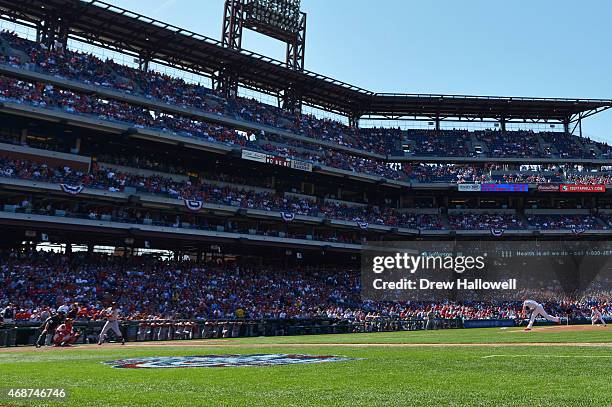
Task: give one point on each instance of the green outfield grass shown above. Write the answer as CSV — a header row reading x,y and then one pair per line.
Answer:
x,y
383,376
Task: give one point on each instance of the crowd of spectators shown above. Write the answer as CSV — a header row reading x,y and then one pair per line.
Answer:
x,y
177,220
448,173
381,216
149,288
110,179
142,161
48,96
589,178
573,222
171,90
44,95
485,221
414,172
425,222
496,143
525,178
509,144
605,149
235,192
437,143
150,84
563,145
607,218
496,173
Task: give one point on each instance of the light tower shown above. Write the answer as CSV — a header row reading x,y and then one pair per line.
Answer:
x,y
279,19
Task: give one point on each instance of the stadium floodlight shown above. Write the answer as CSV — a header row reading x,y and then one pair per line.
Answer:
x,y
274,15
279,19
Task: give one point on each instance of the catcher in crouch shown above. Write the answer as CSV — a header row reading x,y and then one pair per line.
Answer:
x,y
536,309
65,335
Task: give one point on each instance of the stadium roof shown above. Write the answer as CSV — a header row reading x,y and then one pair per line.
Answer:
x,y
102,24
483,107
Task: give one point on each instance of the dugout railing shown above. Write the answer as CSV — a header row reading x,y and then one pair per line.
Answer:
x,y
26,333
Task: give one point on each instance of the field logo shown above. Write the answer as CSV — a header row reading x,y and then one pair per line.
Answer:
x,y
166,362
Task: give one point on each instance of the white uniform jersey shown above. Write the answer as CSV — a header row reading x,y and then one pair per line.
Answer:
x,y
595,314
112,317
530,304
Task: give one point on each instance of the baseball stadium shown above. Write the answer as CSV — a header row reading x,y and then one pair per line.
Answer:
x,y
186,222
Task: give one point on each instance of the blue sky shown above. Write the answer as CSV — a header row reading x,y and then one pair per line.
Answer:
x,y
543,48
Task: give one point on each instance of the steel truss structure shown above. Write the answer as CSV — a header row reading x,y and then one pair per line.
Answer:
x,y
241,14
229,66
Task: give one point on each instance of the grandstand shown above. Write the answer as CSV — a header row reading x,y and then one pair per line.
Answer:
x,y
96,155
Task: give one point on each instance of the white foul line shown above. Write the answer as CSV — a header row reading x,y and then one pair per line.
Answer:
x,y
546,356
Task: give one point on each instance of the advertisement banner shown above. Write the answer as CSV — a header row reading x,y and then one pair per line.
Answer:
x,y
504,187
468,187
301,165
548,187
254,156
582,188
